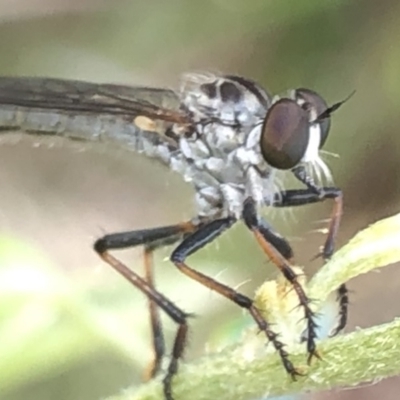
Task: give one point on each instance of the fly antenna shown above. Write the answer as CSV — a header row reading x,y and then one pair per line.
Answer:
x,y
330,110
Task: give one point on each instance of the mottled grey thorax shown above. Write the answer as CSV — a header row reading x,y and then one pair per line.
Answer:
x,y
222,157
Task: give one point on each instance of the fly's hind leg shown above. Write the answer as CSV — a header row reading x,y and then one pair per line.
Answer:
x,y
150,239
155,322
154,311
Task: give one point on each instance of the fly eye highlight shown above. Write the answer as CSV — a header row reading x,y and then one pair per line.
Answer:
x,y
285,134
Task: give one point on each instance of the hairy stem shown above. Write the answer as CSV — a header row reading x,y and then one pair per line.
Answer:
x,y
250,370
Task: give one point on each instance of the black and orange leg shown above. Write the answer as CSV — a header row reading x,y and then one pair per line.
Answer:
x,y
273,246
155,320
315,194
192,243
151,239
343,300
153,242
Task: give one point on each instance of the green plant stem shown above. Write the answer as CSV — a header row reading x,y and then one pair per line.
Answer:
x,y
250,370
372,248
348,360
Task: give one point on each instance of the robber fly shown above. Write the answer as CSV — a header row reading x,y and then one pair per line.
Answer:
x,y
226,136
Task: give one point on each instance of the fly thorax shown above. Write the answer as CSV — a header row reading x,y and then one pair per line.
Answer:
x,y
208,201
222,139
223,154
248,153
230,100
233,198
194,148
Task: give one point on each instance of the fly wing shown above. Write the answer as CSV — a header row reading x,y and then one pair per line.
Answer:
x,y
137,117
77,96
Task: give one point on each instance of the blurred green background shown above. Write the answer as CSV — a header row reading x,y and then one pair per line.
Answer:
x,y
70,328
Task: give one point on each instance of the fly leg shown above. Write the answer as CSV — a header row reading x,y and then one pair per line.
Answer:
x,y
299,197
192,243
343,299
150,239
315,194
280,253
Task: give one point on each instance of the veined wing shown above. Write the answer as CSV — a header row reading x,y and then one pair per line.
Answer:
x,y
78,96
90,112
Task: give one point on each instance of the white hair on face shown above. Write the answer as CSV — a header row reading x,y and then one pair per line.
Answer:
x,y
315,166
319,171
329,153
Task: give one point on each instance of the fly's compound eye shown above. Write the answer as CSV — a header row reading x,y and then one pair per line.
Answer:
x,y
314,102
285,134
